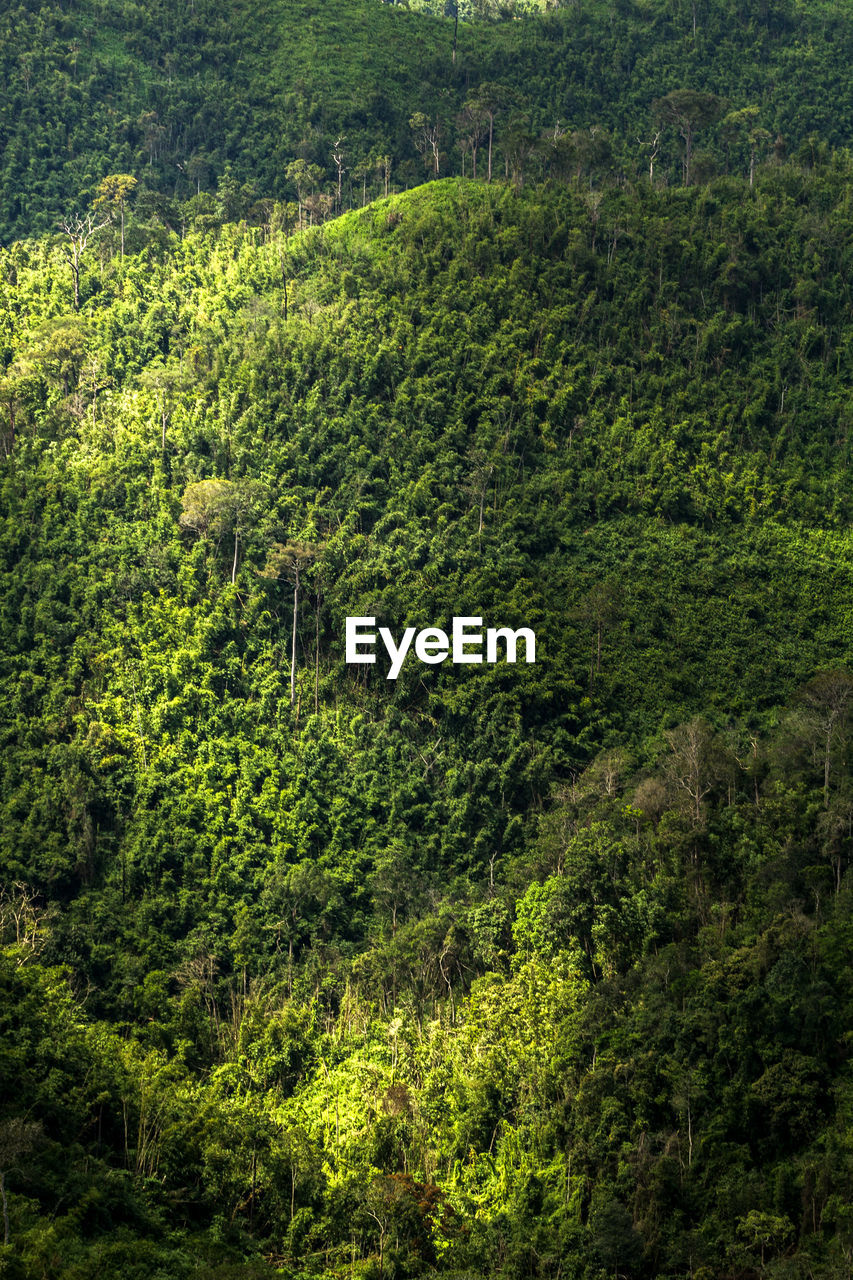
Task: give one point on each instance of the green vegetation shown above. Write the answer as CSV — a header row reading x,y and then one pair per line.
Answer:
x,y
211,106
496,971
529,970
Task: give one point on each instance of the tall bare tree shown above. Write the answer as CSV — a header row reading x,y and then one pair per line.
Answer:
x,y
471,123
427,139
340,169
695,763
488,98
79,228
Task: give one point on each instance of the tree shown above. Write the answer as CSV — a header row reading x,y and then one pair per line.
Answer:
x,y
763,1232
615,1240
17,1138
318,205
583,150
113,193
561,152
338,160
359,171
406,1214
79,228
383,164
393,882
61,347
218,506
519,145
828,704
451,9
695,763
471,122
746,120
164,382
23,923
153,132
487,99
96,378
287,560
427,137
689,110
305,177
197,169
600,609
14,385
653,144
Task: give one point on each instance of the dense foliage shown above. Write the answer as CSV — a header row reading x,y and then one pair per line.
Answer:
x,y
221,110
532,970
500,970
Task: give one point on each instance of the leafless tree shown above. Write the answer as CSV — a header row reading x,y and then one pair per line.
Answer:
x,y
695,763
79,228
427,139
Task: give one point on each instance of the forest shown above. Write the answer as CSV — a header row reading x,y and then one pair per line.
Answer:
x,y
485,972
218,110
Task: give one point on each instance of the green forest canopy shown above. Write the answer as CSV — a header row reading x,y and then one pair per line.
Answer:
x,y
501,971
218,103
295,923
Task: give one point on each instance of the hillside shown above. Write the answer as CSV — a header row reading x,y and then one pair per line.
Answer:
x,y
494,971
211,106
532,970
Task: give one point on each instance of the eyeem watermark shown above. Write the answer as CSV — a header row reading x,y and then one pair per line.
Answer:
x,y
432,645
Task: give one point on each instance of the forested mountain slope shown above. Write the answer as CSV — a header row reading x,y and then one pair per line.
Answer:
x,y
499,970
220,102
